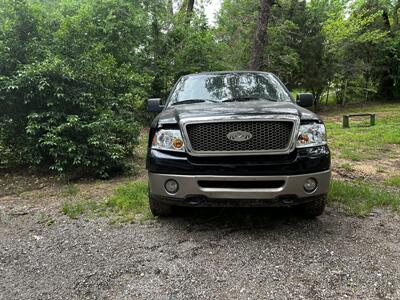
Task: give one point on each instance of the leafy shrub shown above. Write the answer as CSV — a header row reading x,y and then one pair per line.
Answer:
x,y
70,117
71,95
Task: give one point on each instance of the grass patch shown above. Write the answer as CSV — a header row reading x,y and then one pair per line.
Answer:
x,y
380,170
346,166
360,198
44,219
128,203
364,143
74,209
70,190
129,197
393,181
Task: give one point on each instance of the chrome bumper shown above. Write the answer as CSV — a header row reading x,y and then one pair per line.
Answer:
x,y
189,187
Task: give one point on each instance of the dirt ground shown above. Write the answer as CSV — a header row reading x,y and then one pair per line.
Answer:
x,y
201,254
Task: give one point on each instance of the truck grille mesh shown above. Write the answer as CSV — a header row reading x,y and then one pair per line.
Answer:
x,y
266,135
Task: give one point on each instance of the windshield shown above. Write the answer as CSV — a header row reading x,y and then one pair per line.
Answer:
x,y
228,87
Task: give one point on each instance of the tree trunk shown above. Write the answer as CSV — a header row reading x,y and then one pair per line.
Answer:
x,y
386,81
190,6
327,95
256,58
396,16
292,9
367,79
317,97
187,8
157,84
171,7
386,21
345,94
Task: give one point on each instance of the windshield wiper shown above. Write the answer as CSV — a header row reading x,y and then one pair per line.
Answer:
x,y
248,98
188,101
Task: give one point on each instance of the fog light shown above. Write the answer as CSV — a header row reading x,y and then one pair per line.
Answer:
x,y
310,185
171,186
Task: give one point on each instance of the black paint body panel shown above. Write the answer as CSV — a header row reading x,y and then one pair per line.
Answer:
x,y
300,161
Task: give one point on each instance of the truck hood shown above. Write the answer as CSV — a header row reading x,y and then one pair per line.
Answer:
x,y
174,114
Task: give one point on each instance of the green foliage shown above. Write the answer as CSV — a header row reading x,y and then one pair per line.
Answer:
x,y
72,119
364,142
179,46
346,166
74,209
131,198
360,42
127,202
360,198
295,50
393,181
347,48
71,96
70,190
236,23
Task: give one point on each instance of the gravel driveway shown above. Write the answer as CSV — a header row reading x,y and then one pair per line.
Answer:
x,y
207,254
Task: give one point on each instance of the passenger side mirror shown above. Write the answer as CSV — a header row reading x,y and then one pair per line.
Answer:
x,y
154,105
305,99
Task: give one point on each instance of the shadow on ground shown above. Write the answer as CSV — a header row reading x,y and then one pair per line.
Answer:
x,y
236,218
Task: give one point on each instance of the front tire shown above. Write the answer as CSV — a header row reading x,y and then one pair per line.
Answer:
x,y
312,209
159,208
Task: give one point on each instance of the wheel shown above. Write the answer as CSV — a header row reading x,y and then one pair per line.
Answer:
x,y
313,209
160,209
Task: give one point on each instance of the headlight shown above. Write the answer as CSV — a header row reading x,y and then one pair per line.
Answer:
x,y
311,135
168,139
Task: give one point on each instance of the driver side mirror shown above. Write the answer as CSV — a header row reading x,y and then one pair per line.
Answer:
x,y
305,99
154,105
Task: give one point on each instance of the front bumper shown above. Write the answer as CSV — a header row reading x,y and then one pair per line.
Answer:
x,y
300,161
190,193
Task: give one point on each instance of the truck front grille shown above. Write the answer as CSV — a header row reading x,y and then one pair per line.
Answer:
x,y
265,136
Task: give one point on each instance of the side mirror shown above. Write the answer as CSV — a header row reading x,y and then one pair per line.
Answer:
x,y
154,105
305,99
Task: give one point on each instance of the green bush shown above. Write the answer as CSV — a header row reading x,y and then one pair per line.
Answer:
x,y
72,119
71,87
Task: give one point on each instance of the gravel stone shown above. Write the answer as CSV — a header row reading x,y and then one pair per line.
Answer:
x,y
202,254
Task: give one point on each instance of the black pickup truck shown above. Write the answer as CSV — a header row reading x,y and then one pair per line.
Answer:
x,y
236,139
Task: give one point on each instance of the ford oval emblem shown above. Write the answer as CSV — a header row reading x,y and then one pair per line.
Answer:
x,y
239,136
